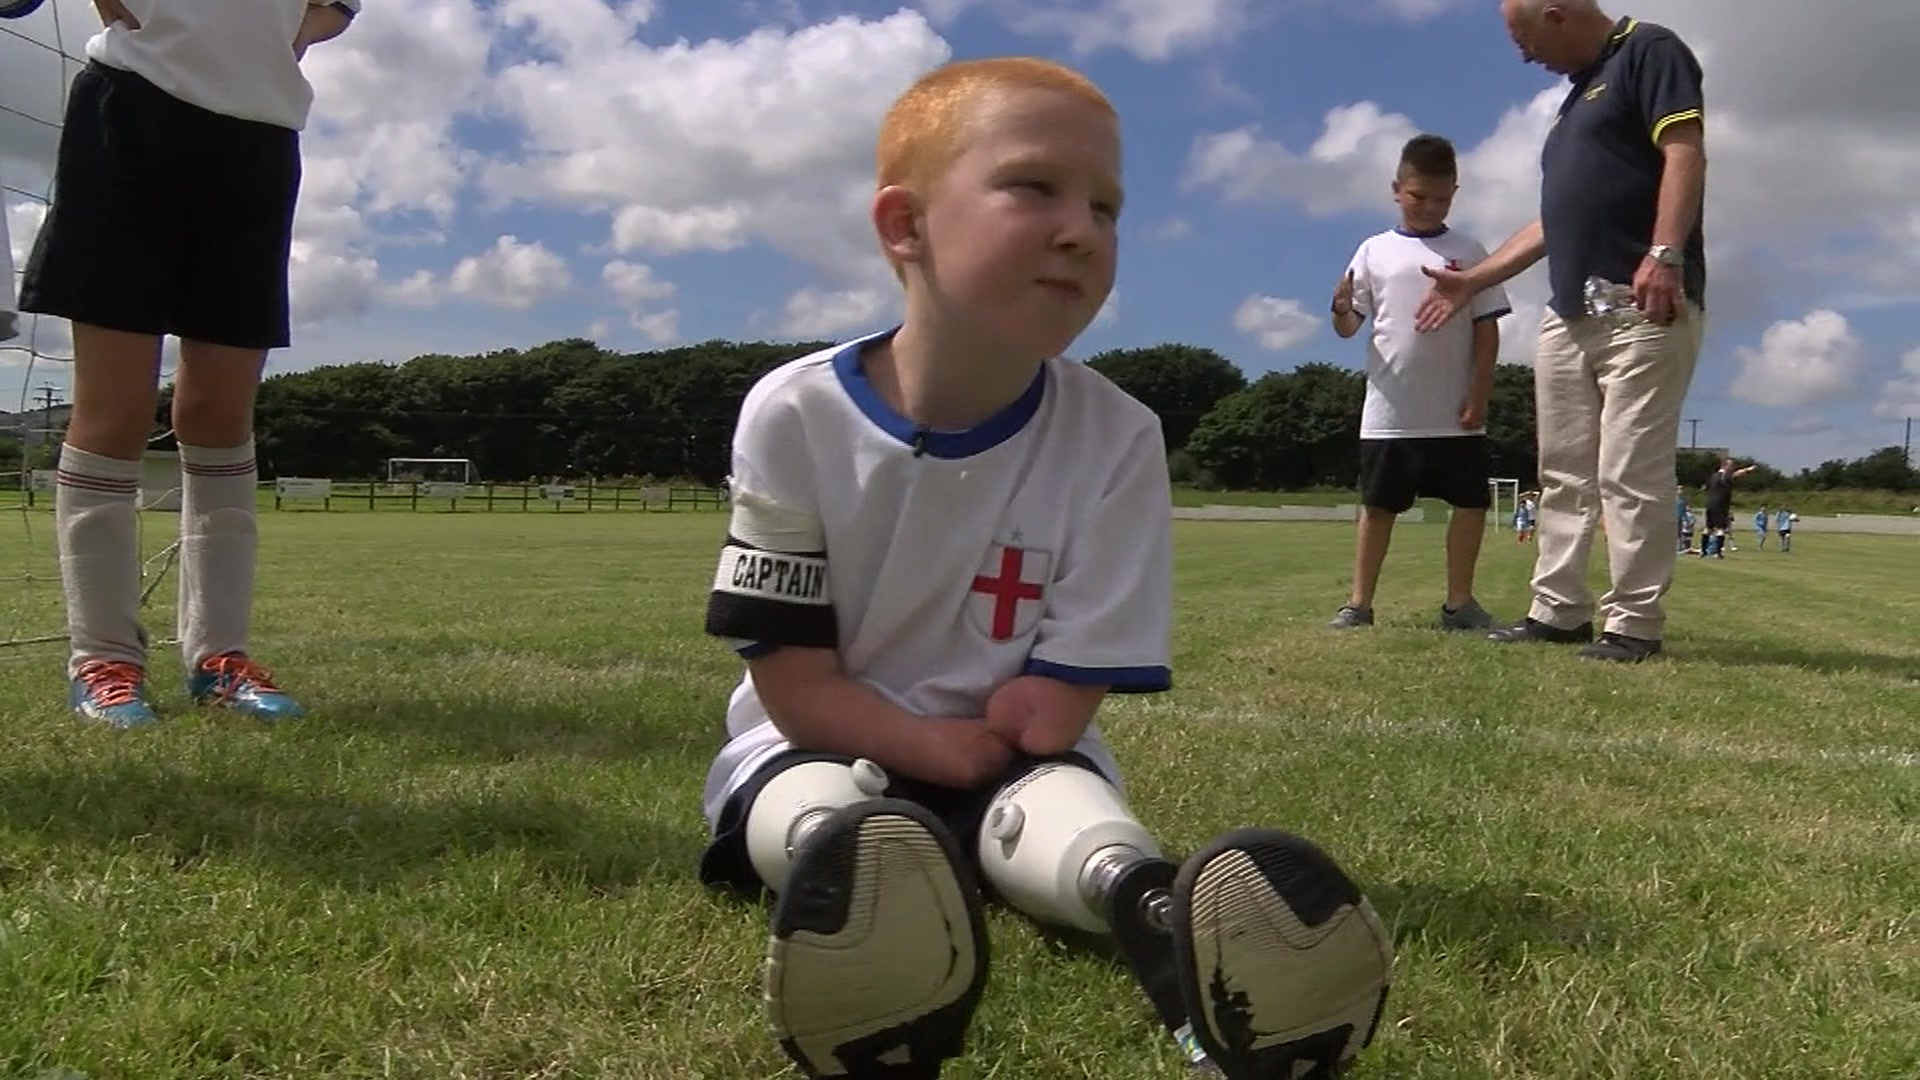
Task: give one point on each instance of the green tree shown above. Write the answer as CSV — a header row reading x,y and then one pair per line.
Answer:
x,y
1180,383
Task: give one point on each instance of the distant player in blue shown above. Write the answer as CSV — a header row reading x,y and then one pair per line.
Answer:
x,y
1682,520
1760,527
1523,512
1686,532
1783,524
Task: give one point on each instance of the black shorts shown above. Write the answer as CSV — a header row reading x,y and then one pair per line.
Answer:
x,y
725,864
1395,472
1720,517
166,218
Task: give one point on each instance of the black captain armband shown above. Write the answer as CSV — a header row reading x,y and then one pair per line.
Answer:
x,y
772,597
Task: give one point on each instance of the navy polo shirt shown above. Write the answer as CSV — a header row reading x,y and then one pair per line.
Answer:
x,y
1601,165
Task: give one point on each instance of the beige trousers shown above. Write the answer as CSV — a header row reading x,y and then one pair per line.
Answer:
x,y
1609,397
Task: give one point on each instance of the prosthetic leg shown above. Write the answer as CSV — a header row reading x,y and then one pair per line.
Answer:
x,y
878,954
1257,953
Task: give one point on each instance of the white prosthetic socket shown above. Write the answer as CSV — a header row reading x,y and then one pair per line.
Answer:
x,y
796,800
1056,843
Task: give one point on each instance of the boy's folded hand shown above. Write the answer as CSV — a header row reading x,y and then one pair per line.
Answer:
x,y
963,754
1040,716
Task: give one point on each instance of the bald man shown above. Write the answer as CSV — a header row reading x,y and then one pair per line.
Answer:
x,y
1622,174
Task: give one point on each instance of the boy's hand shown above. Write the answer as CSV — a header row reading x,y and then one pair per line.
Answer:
x,y
113,11
1472,414
1040,716
963,754
1451,291
1343,295
322,22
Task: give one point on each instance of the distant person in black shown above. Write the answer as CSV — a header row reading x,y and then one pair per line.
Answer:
x,y
1720,507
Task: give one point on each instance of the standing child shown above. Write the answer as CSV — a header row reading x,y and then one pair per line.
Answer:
x,y
174,190
1783,524
1523,517
1760,527
947,546
1423,426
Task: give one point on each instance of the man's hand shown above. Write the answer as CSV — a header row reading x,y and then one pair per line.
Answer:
x,y
1451,290
323,22
1473,414
963,754
1656,291
1040,716
113,11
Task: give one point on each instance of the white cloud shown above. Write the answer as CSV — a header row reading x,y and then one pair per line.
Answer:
x,y
1109,309
420,289
1277,324
717,144
1801,362
817,313
1900,397
637,289
1171,229
1149,29
511,274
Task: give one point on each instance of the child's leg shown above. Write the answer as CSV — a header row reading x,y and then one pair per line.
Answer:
x,y
232,307
1386,491
879,951
1277,960
96,522
106,258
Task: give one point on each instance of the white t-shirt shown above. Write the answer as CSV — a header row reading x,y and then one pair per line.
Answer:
x,y
1039,542
1416,382
233,57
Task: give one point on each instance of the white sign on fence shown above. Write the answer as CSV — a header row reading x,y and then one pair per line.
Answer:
x,y
302,487
444,489
41,479
557,493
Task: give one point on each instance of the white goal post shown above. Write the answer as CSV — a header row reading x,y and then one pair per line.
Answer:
x,y
439,478
1498,518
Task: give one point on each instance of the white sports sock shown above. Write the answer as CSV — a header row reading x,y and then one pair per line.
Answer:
x,y
99,541
219,534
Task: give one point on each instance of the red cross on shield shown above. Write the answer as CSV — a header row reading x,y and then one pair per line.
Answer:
x,y
1008,594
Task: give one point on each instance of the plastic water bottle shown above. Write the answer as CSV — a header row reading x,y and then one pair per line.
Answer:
x,y
1611,301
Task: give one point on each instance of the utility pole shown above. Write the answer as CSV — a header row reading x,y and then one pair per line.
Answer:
x,y
1908,445
48,399
1696,433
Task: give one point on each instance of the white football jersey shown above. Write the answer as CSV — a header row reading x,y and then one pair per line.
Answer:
x,y
941,565
233,57
1416,382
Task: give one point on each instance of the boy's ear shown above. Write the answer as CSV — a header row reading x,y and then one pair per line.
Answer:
x,y
896,220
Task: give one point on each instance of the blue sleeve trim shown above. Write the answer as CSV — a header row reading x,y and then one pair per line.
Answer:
x,y
1505,311
1118,680
754,650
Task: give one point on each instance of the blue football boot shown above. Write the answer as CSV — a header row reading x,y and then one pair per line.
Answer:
x,y
233,681
114,692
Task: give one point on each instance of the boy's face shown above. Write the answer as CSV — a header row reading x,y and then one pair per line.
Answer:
x,y
1425,201
1019,242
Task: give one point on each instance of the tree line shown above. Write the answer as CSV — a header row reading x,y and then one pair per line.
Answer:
x,y
572,409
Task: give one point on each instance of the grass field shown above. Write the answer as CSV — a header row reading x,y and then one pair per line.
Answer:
x,y
475,859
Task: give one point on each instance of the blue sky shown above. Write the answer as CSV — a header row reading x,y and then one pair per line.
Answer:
x,y
485,175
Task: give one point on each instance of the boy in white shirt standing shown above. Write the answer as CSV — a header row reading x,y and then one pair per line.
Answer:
x,y
174,190
1423,427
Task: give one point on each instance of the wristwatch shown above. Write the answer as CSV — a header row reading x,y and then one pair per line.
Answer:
x,y
1666,255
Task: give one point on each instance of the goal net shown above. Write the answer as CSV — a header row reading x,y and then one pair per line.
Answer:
x,y
40,52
